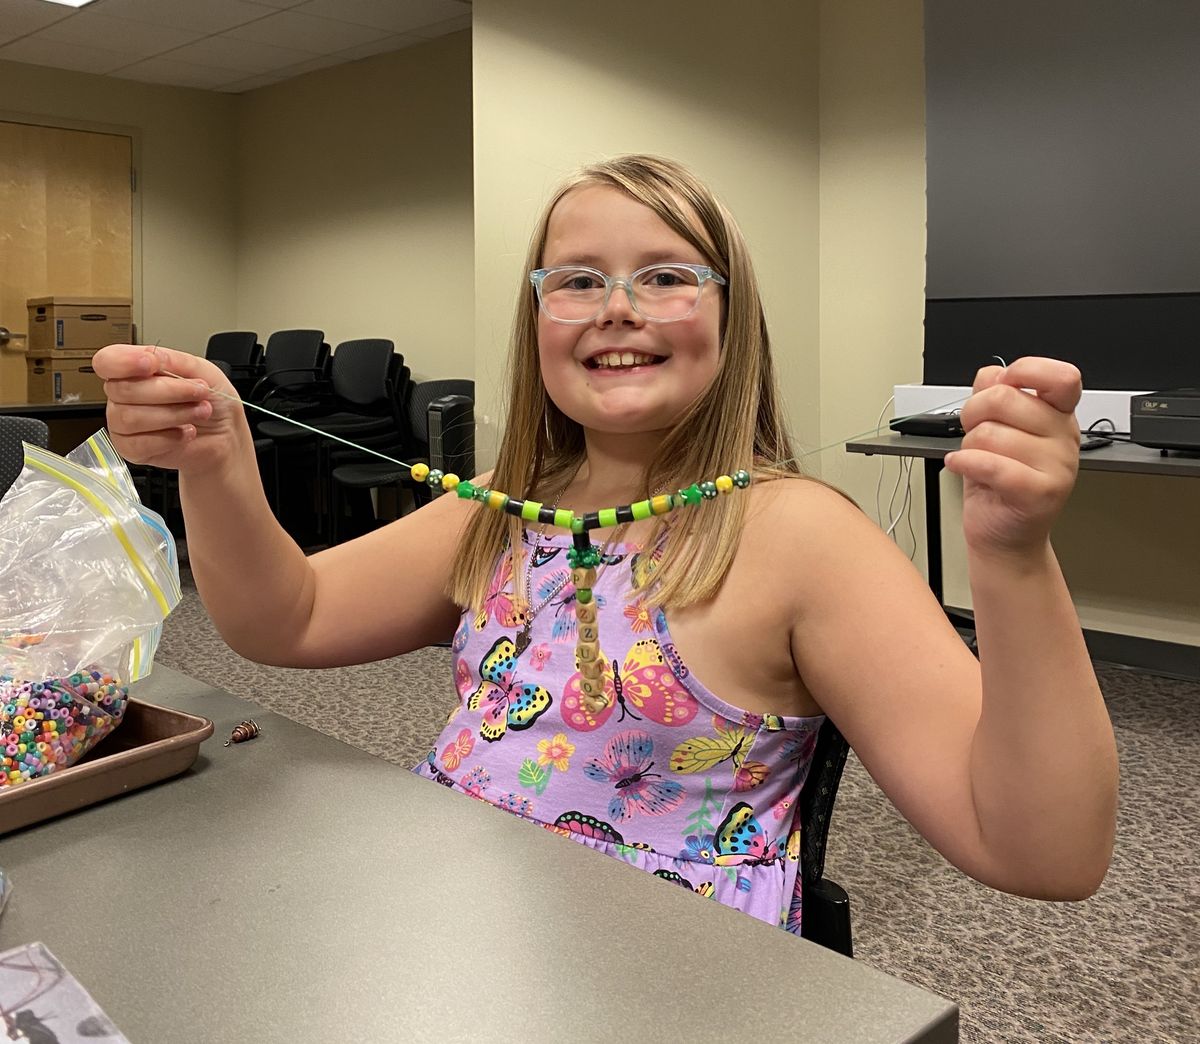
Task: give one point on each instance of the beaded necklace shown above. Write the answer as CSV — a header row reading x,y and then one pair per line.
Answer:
x,y
583,557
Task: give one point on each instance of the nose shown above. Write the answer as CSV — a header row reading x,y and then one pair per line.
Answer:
x,y
619,307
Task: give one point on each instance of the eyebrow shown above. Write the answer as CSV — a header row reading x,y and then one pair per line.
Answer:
x,y
652,257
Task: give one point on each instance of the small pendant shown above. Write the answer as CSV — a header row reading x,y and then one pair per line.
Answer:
x,y
522,640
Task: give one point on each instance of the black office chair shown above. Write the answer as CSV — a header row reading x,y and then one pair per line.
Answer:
x,y
240,351
440,433
825,913
14,431
294,363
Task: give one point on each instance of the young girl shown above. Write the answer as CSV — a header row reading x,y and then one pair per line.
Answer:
x,y
727,629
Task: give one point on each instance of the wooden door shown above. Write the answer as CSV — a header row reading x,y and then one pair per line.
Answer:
x,y
66,226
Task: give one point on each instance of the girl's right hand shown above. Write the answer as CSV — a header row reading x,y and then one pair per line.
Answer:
x,y
165,421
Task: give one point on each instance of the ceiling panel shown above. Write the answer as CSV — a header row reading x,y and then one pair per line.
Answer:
x,y
226,45
397,17
307,33
19,17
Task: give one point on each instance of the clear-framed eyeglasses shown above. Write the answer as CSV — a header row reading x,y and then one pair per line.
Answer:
x,y
663,293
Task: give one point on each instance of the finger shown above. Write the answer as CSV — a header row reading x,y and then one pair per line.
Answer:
x,y
1004,440
155,390
119,361
149,447
994,470
1010,405
136,420
1056,382
986,376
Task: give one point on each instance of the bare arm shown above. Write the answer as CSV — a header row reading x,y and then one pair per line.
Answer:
x,y
364,600
1008,767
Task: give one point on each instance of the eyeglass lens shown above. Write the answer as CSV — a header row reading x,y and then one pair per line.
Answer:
x,y
659,292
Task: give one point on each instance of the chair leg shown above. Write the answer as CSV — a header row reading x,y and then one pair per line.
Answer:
x,y
825,917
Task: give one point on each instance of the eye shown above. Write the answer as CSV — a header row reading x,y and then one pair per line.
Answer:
x,y
581,282
575,280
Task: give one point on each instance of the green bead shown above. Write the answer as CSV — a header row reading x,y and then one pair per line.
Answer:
x,y
708,490
692,494
577,524
530,509
641,510
583,594
608,518
434,479
564,519
482,493
741,478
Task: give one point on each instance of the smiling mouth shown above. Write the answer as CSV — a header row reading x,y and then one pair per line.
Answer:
x,y
622,360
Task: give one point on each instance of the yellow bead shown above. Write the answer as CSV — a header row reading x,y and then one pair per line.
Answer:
x,y
450,483
660,505
723,483
420,472
496,500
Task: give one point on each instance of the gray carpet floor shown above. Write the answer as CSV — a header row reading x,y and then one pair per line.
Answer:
x,y
1123,966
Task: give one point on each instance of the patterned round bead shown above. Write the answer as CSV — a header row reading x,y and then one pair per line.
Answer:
x,y
419,472
434,478
450,482
741,478
724,484
708,490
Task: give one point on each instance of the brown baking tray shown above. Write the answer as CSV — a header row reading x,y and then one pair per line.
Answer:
x,y
151,743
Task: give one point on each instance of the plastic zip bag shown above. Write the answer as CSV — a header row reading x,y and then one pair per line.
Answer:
x,y
87,576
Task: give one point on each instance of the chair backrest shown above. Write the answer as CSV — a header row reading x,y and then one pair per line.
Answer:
x,y
14,431
362,371
817,797
297,350
239,348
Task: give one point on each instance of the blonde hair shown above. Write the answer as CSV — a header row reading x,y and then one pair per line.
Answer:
x,y
736,422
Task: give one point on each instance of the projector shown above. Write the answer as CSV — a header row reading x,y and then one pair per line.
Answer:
x,y
1166,420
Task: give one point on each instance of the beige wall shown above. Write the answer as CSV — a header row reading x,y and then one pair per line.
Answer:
x,y
731,91
872,233
354,205
186,187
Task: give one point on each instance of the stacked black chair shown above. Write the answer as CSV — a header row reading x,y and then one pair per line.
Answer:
x,y
294,363
14,431
360,400
825,914
440,433
241,356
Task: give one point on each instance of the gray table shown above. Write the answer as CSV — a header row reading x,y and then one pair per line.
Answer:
x,y
1119,457
296,889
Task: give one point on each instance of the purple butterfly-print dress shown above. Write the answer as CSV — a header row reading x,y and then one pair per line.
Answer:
x,y
669,777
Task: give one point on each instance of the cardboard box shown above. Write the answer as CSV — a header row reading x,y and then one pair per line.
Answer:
x,y
76,324
63,377
13,379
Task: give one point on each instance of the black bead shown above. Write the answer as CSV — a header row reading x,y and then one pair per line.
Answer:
x,y
625,514
546,515
591,520
514,507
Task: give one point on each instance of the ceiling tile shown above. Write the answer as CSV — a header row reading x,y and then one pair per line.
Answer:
x,y
279,4
18,17
212,16
393,42
136,39
253,83
307,33
171,70
451,25
247,56
392,15
33,50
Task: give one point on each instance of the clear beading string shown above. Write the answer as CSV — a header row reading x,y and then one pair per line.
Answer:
x,y
392,460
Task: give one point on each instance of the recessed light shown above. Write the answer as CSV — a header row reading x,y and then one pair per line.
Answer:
x,y
71,3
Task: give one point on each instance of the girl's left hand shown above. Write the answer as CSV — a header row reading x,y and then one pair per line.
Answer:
x,y
1020,454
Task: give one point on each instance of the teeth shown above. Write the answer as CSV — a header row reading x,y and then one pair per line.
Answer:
x,y
616,359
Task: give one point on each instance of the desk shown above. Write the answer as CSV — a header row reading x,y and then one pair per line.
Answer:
x,y
1122,457
70,423
295,889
